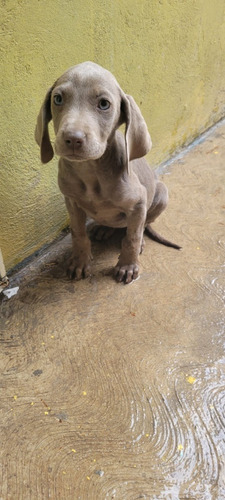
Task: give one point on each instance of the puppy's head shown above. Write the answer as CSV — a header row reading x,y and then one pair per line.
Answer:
x,y
87,105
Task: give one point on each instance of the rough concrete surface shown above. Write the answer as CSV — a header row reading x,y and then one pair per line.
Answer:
x,y
111,391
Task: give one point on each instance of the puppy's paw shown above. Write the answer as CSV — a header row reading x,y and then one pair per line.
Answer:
x,y
126,273
79,267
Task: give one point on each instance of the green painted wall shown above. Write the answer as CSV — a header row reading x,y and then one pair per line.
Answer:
x,y
169,54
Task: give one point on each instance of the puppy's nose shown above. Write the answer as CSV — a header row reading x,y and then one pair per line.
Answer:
x,y
75,139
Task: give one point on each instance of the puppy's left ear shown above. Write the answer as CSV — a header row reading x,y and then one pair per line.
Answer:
x,y
137,138
41,131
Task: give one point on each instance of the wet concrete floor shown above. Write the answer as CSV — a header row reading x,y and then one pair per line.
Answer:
x,y
112,391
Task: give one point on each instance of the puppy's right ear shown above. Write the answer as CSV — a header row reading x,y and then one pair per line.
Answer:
x,y
137,138
41,130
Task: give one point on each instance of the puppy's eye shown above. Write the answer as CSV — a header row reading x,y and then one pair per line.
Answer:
x,y
58,100
103,104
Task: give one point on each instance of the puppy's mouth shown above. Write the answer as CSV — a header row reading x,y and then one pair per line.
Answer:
x,y
79,155
73,157
79,158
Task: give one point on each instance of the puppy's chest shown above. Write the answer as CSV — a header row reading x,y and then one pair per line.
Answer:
x,y
96,202
92,195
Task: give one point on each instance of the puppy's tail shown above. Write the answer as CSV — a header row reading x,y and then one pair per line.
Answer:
x,y
156,237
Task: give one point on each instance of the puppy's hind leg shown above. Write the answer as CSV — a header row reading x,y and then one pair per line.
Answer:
x,y
159,204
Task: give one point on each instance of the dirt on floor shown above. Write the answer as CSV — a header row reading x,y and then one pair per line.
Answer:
x,y
112,391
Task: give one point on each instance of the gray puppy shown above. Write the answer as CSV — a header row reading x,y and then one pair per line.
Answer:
x,y
102,173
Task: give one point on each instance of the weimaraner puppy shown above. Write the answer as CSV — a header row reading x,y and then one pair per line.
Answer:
x,y
102,173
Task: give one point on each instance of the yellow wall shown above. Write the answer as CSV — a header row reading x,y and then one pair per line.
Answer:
x,y
169,54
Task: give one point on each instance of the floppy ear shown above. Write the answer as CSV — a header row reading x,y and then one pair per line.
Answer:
x,y
137,138
41,130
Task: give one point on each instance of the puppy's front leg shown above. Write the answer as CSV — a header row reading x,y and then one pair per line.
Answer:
x,y
127,268
79,264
